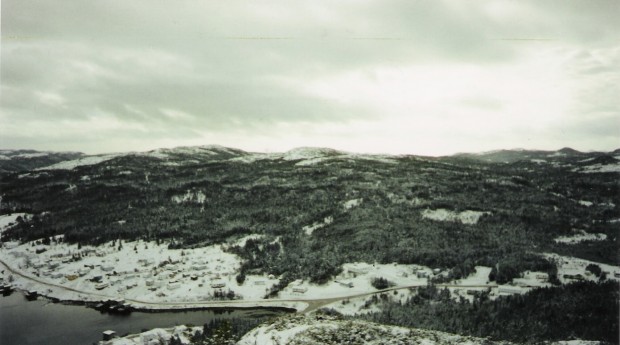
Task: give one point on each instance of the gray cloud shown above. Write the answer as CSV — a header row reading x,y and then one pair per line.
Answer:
x,y
144,70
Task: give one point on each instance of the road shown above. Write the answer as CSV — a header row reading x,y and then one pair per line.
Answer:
x,y
302,305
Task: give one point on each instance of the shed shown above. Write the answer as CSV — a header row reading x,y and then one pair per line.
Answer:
x,y
108,335
510,290
173,286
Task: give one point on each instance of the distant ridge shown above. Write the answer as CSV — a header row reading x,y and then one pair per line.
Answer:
x,y
24,160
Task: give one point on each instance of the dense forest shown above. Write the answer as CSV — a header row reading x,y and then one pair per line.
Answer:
x,y
581,310
187,202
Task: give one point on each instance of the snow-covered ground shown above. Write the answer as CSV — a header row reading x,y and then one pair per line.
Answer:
x,y
599,168
309,229
72,164
581,236
156,336
142,271
465,217
323,329
570,266
6,220
151,276
356,279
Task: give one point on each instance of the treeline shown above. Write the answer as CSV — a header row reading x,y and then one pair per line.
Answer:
x,y
581,310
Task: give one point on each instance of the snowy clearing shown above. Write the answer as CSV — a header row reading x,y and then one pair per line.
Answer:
x,y
443,215
309,229
571,269
599,168
6,221
352,203
580,237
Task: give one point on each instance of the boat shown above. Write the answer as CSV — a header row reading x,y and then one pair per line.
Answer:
x,y
31,295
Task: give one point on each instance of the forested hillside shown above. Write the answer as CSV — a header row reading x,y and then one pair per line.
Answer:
x,y
313,210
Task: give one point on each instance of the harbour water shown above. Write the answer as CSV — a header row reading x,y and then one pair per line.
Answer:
x,y
24,322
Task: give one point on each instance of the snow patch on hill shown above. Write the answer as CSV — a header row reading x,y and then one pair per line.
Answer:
x,y
580,237
465,217
600,168
72,164
352,203
309,229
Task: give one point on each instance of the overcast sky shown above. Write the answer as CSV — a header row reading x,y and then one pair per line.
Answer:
x,y
419,77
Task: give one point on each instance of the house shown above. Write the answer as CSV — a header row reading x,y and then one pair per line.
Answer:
x,y
149,282
218,285
56,275
300,289
573,276
358,270
107,268
40,250
108,335
96,279
436,271
259,282
421,274
509,290
617,274
101,286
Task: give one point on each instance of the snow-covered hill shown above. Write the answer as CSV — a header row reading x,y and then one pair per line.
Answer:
x,y
22,160
172,156
324,329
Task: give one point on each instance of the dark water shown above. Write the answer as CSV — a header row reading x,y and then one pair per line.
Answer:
x,y
25,322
